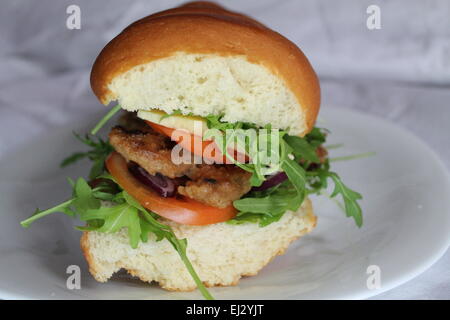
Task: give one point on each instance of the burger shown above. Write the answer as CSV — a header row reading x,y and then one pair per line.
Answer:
x,y
205,176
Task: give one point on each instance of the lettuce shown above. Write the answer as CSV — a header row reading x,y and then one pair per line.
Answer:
x,y
126,212
298,159
87,203
306,174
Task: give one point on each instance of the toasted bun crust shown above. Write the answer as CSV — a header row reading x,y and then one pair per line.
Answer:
x,y
208,29
220,253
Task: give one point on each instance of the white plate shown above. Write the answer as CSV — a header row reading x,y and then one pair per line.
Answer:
x,y
406,223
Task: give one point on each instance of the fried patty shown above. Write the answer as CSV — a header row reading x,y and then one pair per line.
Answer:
x,y
215,185
151,150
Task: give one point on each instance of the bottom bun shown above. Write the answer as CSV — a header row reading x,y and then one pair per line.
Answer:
x,y
220,253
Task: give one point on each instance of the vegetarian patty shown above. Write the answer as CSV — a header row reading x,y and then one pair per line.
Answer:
x,y
215,185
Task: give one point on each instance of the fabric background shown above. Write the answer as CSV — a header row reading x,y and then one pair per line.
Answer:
x,y
400,72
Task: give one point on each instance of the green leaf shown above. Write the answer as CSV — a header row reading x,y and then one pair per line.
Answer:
x,y
63,207
214,122
350,198
269,208
83,197
174,113
125,213
105,119
131,201
115,218
228,136
180,246
306,174
352,157
247,217
317,181
334,146
97,168
302,149
316,137
98,153
73,158
267,205
147,228
297,177
82,200
128,215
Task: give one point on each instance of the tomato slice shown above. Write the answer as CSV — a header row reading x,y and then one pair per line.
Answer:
x,y
181,209
196,145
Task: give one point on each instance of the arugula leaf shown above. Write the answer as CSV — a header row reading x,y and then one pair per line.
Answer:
x,y
316,137
262,219
105,119
114,219
216,122
180,245
62,207
232,138
100,150
352,157
306,174
79,201
297,177
175,113
128,216
302,149
237,137
125,212
334,146
298,159
350,197
83,197
271,205
294,153
266,206
73,158
317,182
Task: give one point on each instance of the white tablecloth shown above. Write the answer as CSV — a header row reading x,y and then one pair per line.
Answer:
x,y
401,72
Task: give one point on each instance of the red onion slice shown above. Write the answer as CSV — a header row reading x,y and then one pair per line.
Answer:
x,y
274,180
164,186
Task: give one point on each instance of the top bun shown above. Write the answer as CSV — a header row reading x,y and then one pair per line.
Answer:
x,y
203,59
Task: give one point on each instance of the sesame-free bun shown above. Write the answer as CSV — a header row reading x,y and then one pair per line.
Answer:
x,y
220,253
203,59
